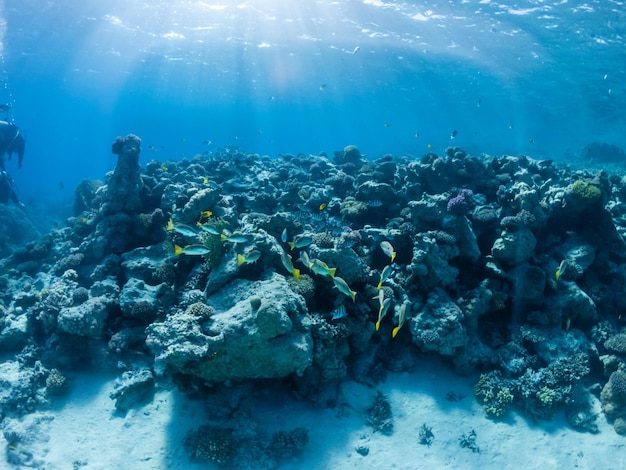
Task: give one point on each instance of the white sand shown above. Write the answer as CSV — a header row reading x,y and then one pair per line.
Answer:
x,y
87,433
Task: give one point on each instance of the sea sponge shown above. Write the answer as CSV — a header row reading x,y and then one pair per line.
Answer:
x,y
56,383
494,391
617,381
287,443
380,416
324,240
212,444
200,310
584,193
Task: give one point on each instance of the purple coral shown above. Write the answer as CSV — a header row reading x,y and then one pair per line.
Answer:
x,y
460,204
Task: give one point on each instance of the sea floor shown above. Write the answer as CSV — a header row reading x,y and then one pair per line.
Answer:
x,y
84,431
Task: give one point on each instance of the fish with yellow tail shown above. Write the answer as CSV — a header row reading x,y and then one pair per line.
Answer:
x,y
383,307
321,268
233,238
304,259
388,250
561,269
343,287
301,241
180,228
401,318
191,250
249,257
208,228
286,260
384,276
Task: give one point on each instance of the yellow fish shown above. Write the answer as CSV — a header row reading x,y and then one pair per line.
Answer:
x,y
559,271
322,206
206,214
401,318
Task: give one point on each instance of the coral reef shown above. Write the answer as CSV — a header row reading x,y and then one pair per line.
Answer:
x,y
236,268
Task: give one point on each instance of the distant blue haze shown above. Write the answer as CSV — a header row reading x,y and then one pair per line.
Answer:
x,y
543,78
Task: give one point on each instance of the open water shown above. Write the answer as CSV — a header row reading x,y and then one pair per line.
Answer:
x,y
538,77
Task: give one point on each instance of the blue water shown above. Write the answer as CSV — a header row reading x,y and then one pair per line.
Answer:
x,y
542,78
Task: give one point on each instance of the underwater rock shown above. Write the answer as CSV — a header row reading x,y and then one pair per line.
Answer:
x,y
426,213
26,440
354,210
613,399
350,154
349,265
143,263
465,237
571,305
513,248
529,283
124,187
203,200
85,196
15,228
371,191
218,349
438,326
132,389
13,330
141,301
21,387
429,266
87,319
577,259
476,302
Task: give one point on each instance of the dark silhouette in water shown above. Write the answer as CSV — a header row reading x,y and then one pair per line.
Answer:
x,y
11,141
7,193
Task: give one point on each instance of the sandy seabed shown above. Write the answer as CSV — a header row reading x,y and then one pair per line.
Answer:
x,y
84,431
